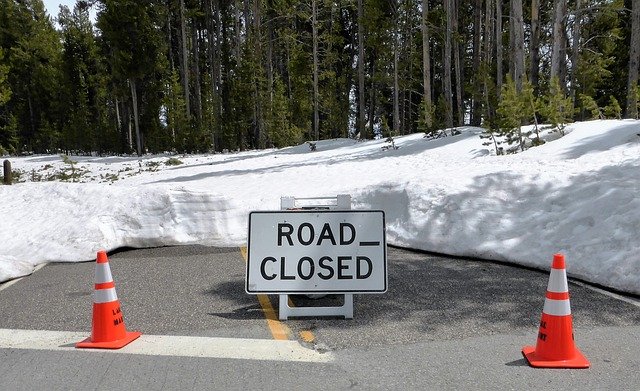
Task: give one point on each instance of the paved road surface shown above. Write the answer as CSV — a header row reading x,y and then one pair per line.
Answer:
x,y
444,324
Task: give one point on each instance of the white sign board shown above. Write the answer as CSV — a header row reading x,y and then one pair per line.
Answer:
x,y
332,251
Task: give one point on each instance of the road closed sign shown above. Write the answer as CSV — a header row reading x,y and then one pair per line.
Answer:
x,y
317,252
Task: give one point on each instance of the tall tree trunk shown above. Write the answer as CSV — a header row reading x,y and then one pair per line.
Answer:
x,y
448,95
269,59
314,29
134,100
372,97
118,122
534,71
488,58
575,49
517,44
185,60
426,65
32,116
396,95
213,37
634,57
196,73
407,124
257,18
499,48
456,64
361,127
476,109
560,9
238,30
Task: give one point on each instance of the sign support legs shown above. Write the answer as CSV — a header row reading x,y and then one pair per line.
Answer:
x,y
286,311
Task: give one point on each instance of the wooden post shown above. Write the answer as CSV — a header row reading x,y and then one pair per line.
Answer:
x,y
7,172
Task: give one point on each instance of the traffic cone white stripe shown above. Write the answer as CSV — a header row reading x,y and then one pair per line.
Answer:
x,y
557,307
103,273
104,295
558,281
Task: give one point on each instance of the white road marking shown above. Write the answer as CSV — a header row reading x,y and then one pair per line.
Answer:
x,y
169,345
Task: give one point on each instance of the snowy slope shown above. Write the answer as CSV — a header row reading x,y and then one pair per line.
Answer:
x,y
576,194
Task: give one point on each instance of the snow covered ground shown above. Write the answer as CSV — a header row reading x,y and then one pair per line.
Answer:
x,y
577,194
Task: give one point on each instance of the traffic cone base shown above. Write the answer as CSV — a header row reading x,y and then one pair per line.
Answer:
x,y
117,344
577,361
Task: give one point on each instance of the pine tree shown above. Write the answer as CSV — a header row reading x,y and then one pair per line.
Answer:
x,y
32,50
590,106
85,125
176,114
5,89
532,106
131,31
511,112
7,129
558,108
282,132
613,109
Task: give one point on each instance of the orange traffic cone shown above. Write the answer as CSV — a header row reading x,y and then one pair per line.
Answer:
x,y
555,347
107,330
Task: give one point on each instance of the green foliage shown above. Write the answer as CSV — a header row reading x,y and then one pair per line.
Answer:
x,y
172,161
590,106
5,89
423,126
70,173
604,57
9,135
558,108
613,109
133,32
85,128
32,52
175,114
512,111
281,130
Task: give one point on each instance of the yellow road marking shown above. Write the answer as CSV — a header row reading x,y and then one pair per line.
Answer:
x,y
307,336
279,330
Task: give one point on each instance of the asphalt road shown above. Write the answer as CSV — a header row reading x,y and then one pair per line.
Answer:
x,y
444,323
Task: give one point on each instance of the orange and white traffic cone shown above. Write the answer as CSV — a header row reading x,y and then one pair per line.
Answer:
x,y
107,329
555,347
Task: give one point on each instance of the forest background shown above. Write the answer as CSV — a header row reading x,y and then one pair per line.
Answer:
x,y
218,75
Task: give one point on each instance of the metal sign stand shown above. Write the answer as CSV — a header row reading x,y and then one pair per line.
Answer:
x,y
341,201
